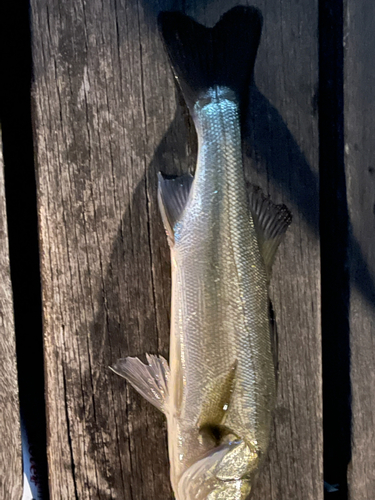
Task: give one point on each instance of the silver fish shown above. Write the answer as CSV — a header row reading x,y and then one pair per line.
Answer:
x,y
219,393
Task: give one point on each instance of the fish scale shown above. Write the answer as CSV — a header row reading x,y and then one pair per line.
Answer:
x,y
230,315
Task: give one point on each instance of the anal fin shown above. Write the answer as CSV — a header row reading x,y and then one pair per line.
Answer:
x,y
150,380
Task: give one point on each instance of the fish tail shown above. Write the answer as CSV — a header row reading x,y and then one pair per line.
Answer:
x,y
207,58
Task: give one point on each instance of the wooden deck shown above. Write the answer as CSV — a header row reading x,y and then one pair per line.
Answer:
x,y
106,117
10,448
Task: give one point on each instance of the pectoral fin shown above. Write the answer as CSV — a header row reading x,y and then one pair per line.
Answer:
x,y
271,222
151,380
216,405
173,193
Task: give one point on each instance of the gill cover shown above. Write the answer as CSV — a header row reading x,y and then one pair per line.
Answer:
x,y
226,473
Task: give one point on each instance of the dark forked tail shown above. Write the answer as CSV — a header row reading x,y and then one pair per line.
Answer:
x,y
204,58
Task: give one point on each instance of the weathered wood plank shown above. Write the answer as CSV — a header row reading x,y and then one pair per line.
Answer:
x,y
282,155
106,120
10,434
359,94
101,113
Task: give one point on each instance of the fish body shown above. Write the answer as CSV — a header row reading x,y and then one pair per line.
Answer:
x,y
219,390
222,370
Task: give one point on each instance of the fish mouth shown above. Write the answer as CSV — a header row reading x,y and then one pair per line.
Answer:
x,y
232,489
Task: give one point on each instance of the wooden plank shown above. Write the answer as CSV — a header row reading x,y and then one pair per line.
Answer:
x,y
282,155
106,120
10,434
359,95
101,113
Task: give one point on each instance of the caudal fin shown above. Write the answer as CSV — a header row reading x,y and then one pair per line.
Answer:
x,y
204,58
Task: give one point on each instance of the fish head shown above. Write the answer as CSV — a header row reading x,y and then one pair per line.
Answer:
x,y
228,472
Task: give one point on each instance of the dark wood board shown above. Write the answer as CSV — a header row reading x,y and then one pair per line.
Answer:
x,y
107,118
359,112
282,154
10,433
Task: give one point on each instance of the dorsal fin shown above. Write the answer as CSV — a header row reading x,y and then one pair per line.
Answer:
x,y
173,193
271,222
151,380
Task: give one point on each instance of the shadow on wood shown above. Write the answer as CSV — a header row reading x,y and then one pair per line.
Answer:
x,y
282,160
334,234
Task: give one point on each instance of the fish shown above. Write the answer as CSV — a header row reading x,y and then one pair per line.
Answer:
x,y
218,390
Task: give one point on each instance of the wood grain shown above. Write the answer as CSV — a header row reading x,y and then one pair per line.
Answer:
x,y
10,434
282,156
359,112
107,118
